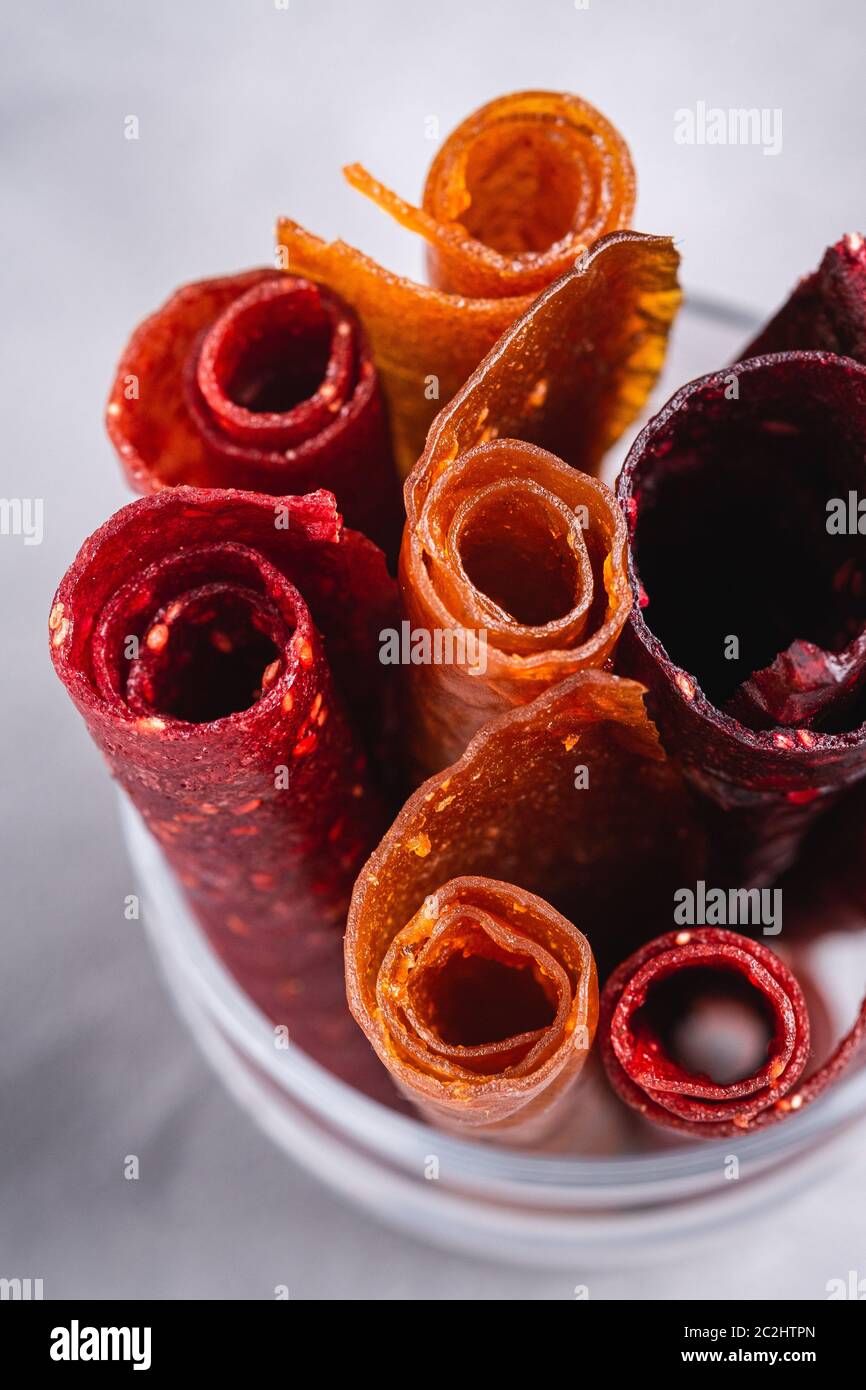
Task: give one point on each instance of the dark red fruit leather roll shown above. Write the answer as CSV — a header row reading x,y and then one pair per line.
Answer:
x,y
222,648
727,492
640,1005
826,310
258,380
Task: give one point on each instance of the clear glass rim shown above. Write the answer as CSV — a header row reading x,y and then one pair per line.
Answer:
x,y
405,1141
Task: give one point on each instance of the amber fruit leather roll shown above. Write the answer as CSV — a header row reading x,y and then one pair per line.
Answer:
x,y
222,650
262,381
477,995
490,998
749,628
511,556
666,981
521,188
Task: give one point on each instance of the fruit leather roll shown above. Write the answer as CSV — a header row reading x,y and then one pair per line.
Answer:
x,y
668,978
749,628
826,310
476,994
520,188
512,554
222,650
489,999
262,381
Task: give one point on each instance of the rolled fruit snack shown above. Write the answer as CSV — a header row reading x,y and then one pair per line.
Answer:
x,y
650,996
263,381
519,190
468,960
749,628
513,554
221,647
826,311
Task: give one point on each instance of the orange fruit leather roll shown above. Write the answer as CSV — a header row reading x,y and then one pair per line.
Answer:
x,y
480,997
492,995
517,191
515,556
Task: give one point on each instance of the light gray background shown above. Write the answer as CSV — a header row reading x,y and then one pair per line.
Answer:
x,y
246,111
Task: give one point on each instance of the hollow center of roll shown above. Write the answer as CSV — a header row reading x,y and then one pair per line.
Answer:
x,y
732,543
208,655
269,351
520,558
273,367
525,188
480,995
710,1023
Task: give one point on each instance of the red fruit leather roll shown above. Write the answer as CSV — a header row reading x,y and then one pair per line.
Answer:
x,y
639,1008
513,550
477,995
826,310
262,381
521,188
749,629
222,650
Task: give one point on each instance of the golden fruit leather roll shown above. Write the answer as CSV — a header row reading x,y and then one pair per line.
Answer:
x,y
519,190
478,996
513,566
